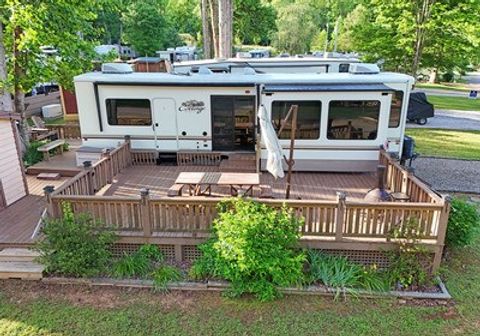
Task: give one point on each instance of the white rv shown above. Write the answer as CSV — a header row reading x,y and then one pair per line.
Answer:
x,y
269,65
343,118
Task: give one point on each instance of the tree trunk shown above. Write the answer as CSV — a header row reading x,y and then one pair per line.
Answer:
x,y
206,31
213,4
422,15
5,98
225,13
19,95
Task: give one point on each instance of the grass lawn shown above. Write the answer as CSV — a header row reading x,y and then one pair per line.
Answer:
x,y
443,86
29,308
454,103
447,143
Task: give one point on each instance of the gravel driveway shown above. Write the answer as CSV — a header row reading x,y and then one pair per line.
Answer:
x,y
449,174
452,119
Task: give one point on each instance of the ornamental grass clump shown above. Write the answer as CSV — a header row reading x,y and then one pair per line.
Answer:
x,y
254,247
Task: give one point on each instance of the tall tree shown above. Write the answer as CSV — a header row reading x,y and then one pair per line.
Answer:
x,y
206,30
225,28
5,98
147,26
213,14
30,24
254,22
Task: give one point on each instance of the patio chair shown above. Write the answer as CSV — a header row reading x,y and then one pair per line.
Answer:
x,y
40,131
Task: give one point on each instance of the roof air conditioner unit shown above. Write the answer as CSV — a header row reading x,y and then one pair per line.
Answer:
x,y
364,68
116,68
203,70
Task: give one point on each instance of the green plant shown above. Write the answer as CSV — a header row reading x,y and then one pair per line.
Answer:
x,y
132,265
74,245
463,222
253,247
340,273
163,275
32,155
66,147
408,266
139,264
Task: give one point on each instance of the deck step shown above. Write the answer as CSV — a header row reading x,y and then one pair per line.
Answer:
x,y
17,254
25,270
49,176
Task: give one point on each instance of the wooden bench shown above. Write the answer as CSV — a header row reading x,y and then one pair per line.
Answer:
x,y
175,190
50,146
266,191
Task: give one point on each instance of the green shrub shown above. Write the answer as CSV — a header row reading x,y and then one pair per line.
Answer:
x,y
340,273
75,245
463,222
253,247
163,275
139,264
32,155
408,263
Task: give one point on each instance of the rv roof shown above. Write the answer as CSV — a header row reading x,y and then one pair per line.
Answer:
x,y
238,79
307,59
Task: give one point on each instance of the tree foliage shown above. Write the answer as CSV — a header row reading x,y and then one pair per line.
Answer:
x,y
254,22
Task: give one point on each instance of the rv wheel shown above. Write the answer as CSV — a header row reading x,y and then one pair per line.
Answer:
x,y
421,121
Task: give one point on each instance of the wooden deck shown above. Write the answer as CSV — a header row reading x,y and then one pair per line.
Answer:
x,y
64,164
18,221
307,186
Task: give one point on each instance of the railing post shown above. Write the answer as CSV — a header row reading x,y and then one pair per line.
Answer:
x,y
109,169
341,212
442,231
48,190
90,181
128,157
145,217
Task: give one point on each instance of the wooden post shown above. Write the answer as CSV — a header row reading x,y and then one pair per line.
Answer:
x,y
109,169
48,190
341,211
290,161
128,157
442,231
90,182
145,217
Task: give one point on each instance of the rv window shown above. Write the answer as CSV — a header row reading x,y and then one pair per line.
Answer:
x,y
353,120
396,109
308,118
129,112
343,67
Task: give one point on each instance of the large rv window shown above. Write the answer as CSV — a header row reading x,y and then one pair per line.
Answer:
x,y
129,112
308,118
396,109
353,120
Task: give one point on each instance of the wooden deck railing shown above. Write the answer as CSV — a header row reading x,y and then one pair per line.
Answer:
x,y
66,131
341,221
399,179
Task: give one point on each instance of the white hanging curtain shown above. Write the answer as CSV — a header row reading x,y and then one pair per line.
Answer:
x,y
270,139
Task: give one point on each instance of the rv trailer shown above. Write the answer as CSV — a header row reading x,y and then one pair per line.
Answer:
x,y
343,118
269,65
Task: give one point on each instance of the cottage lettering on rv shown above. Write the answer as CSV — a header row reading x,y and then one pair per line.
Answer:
x,y
192,106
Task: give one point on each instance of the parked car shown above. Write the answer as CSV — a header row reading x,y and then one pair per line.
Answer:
x,y
419,109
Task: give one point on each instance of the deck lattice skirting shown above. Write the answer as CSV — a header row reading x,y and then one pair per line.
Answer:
x,y
359,230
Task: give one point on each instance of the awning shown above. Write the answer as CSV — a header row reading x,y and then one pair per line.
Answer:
x,y
327,87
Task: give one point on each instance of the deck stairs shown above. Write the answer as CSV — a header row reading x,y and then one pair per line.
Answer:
x,y
239,163
19,263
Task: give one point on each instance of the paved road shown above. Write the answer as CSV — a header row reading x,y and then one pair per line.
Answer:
x,y
440,92
448,174
452,119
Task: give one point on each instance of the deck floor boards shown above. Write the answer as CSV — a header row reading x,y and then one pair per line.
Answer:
x,y
305,185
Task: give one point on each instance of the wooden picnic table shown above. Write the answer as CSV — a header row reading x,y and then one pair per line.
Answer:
x,y
201,183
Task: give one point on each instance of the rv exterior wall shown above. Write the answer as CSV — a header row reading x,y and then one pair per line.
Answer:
x,y
10,168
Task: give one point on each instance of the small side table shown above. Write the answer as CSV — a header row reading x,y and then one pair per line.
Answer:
x,y
399,197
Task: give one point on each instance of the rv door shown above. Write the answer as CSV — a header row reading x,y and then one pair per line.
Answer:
x,y
165,124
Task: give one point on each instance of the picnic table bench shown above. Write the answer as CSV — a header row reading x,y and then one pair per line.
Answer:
x,y
45,149
201,183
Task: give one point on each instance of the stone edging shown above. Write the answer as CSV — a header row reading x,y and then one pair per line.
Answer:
x,y
221,285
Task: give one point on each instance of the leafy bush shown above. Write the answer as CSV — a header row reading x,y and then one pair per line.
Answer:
x,y
32,155
253,247
163,275
463,222
139,264
408,263
75,245
340,273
